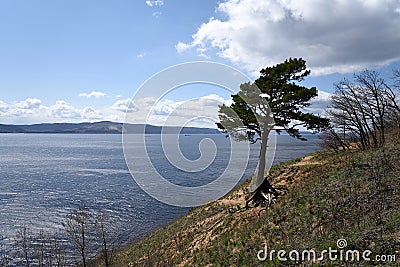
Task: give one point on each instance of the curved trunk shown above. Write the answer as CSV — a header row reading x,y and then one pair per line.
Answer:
x,y
262,159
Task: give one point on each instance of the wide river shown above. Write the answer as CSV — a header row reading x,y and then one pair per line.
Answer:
x,y
44,176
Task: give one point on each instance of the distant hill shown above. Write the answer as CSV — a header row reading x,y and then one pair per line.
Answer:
x,y
10,129
102,127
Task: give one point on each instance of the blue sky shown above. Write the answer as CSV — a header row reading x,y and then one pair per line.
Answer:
x,y
70,60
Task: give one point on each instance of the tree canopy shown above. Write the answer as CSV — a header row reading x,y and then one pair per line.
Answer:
x,y
275,93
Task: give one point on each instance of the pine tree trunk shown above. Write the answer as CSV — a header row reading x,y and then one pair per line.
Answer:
x,y
262,186
263,154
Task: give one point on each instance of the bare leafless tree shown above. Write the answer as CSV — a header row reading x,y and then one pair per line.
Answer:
x,y
39,243
333,140
347,112
374,94
103,231
394,95
4,253
23,242
77,226
362,108
56,255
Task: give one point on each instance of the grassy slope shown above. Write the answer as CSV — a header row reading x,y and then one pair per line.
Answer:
x,y
355,196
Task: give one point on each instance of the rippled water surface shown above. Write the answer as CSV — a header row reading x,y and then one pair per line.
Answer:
x,y
44,176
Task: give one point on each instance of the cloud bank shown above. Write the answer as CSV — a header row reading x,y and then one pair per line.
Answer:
x,y
332,36
32,110
198,112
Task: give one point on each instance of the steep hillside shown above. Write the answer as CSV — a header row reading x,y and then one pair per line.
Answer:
x,y
352,196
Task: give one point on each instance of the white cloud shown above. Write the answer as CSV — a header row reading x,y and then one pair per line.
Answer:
x,y
152,3
165,108
29,103
25,108
156,14
182,47
200,112
124,106
91,114
332,36
320,103
63,110
95,94
141,55
3,107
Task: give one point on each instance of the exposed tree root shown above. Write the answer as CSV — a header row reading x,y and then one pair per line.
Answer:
x,y
265,194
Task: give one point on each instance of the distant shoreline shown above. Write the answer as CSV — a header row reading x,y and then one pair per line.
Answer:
x,y
102,127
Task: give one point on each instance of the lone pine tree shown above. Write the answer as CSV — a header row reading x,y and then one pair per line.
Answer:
x,y
274,102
